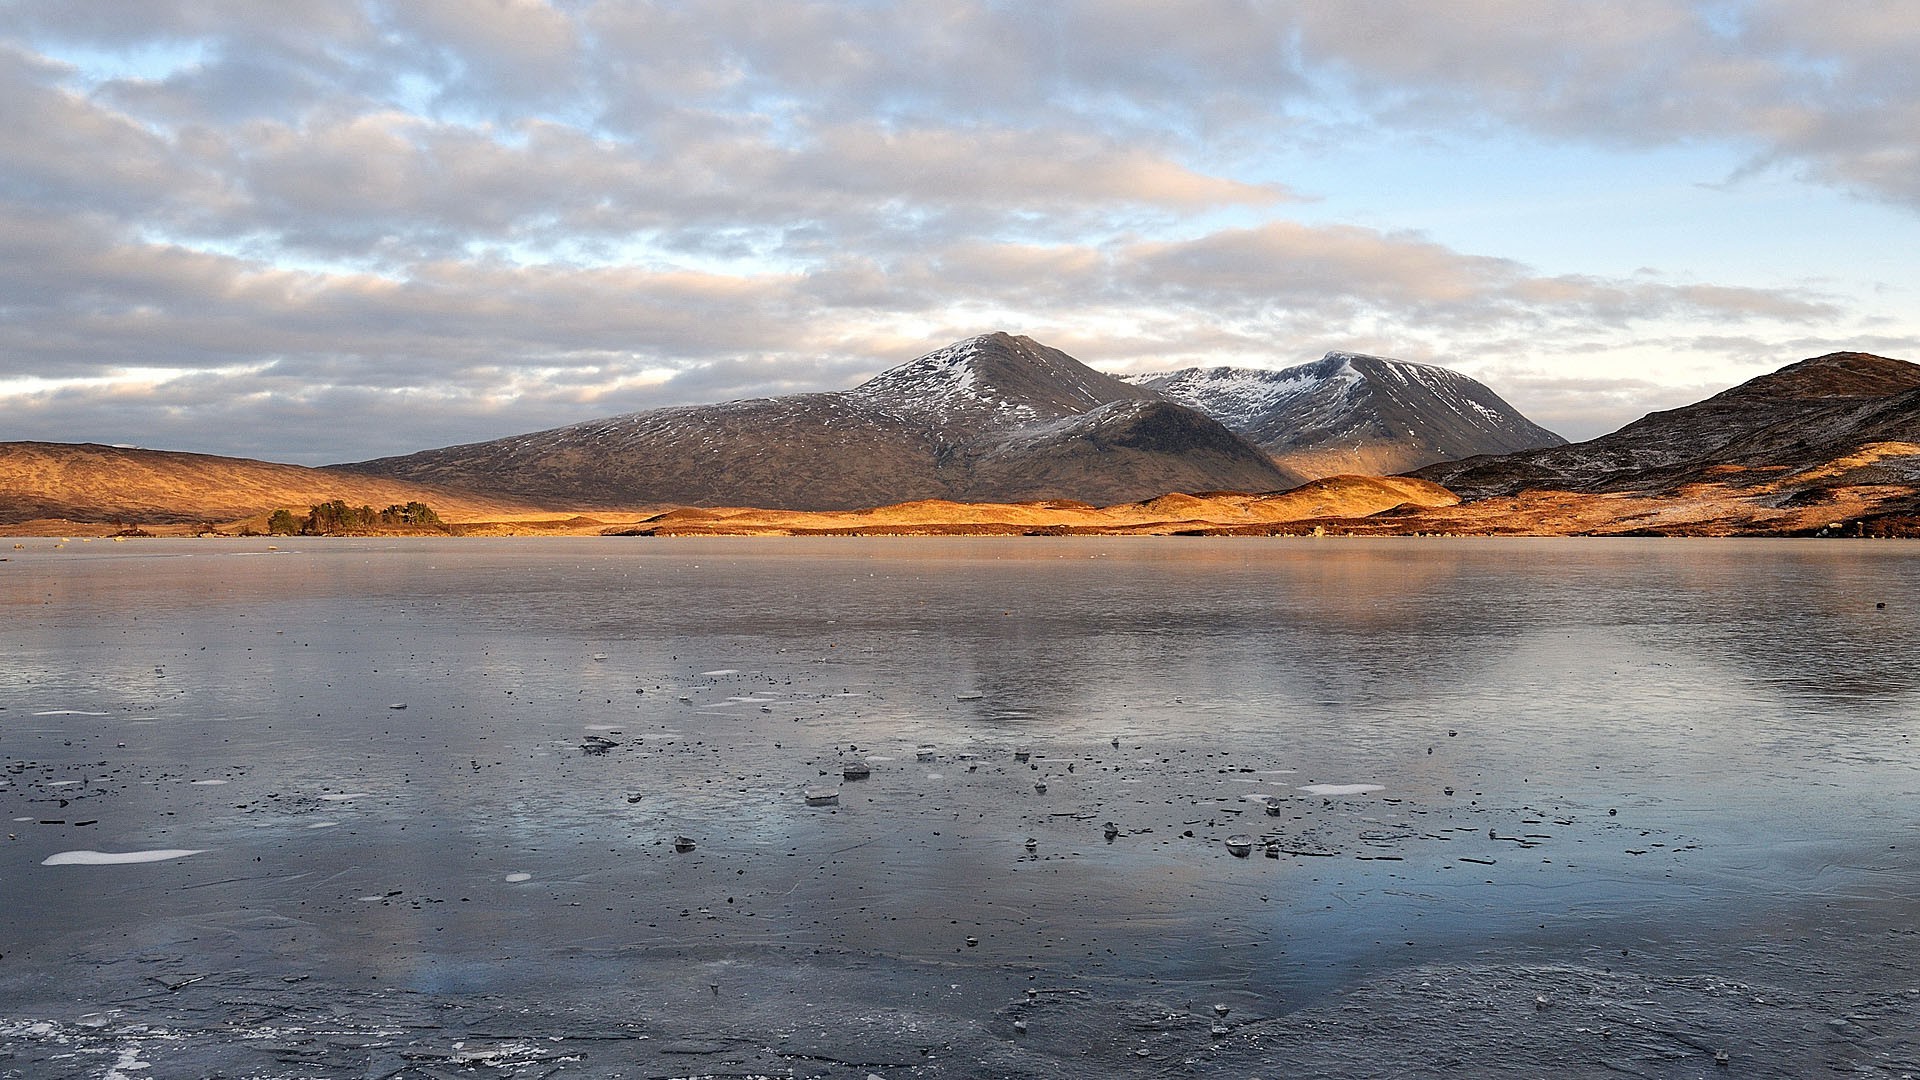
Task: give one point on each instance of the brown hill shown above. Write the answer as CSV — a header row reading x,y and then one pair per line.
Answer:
x,y
1826,445
86,482
1800,417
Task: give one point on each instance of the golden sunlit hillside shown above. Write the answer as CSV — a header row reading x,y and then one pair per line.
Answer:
x,y
89,483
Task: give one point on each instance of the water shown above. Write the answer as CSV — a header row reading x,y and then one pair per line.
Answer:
x,y
1591,807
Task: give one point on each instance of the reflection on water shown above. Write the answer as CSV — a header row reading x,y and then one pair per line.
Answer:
x,y
1590,755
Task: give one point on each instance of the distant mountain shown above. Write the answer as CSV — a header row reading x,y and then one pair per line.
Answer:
x,y
86,482
992,418
1350,413
1807,418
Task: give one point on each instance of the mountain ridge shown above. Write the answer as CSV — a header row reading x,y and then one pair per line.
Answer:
x,y
1355,413
1798,415
990,418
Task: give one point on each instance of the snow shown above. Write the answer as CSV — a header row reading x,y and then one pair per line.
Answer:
x,y
1234,396
116,858
1340,396
1341,789
949,386
128,1062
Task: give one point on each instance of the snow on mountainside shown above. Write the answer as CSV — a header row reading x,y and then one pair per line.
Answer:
x,y
1348,412
991,418
995,380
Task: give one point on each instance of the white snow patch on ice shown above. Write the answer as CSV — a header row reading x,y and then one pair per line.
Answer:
x,y
516,877
116,858
69,712
129,1060
1342,789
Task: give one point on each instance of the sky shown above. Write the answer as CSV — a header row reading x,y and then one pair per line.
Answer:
x,y
341,229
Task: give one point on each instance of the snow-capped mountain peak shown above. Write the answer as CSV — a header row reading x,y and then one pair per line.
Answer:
x,y
995,380
1353,412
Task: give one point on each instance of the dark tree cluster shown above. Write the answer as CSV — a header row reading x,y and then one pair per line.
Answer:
x,y
336,518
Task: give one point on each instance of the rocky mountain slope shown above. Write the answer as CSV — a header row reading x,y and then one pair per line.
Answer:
x,y
1350,413
85,482
1803,417
991,418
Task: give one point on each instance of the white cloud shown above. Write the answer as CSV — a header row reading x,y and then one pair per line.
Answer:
x,y
507,213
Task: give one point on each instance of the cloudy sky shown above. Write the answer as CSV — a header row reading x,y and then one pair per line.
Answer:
x,y
337,229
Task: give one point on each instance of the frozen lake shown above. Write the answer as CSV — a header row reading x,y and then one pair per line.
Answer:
x,y
410,808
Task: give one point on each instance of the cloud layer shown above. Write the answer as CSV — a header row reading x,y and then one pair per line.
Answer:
x,y
345,229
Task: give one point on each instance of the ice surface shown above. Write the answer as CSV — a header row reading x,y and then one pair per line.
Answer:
x,y
1408,931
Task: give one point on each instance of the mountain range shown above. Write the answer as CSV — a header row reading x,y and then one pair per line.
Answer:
x,y
998,418
1002,434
